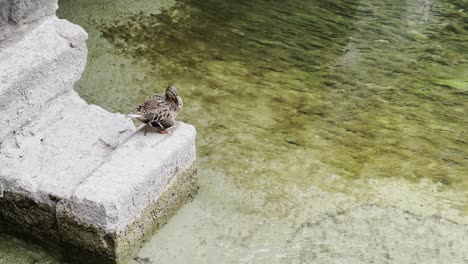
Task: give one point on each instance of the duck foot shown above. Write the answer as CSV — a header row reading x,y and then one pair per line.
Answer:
x,y
159,130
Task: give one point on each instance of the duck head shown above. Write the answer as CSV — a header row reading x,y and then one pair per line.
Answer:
x,y
173,96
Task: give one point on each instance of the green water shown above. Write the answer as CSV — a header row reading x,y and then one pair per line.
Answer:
x,y
292,93
305,111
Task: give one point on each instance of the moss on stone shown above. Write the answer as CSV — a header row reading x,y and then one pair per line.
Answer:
x,y
65,238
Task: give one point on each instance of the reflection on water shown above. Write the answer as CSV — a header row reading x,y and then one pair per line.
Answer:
x,y
303,109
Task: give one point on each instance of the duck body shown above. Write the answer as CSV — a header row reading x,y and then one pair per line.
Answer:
x,y
159,110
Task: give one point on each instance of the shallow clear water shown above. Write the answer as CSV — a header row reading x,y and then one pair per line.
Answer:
x,y
305,111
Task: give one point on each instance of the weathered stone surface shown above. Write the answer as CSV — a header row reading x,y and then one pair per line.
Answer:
x,y
139,171
45,63
102,212
142,183
45,160
19,16
16,12
59,149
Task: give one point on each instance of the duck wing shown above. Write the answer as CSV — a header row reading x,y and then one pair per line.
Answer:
x,y
150,105
158,118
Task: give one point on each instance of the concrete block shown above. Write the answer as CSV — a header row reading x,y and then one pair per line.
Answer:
x,y
59,149
44,64
16,12
19,16
142,183
44,161
69,187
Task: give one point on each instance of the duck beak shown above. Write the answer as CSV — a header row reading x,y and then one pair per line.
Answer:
x,y
171,93
179,101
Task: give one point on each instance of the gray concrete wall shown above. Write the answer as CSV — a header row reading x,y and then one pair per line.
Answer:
x,y
16,16
42,57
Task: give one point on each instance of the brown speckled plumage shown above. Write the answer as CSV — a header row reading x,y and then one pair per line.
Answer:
x,y
159,110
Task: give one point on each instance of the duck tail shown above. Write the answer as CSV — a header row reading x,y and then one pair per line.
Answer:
x,y
134,116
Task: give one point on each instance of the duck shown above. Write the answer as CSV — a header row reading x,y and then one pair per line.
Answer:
x,y
159,110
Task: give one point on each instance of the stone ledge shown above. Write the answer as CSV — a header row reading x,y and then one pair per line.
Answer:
x,y
106,213
88,244
139,171
26,11
45,63
17,17
137,176
59,149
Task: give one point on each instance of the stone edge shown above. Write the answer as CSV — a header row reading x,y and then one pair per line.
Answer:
x,y
69,240
121,246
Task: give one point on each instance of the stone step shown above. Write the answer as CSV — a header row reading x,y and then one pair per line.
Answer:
x,y
41,65
135,191
48,158
44,161
69,177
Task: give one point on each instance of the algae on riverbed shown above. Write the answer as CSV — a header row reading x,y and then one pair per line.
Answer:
x,y
305,110
297,92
